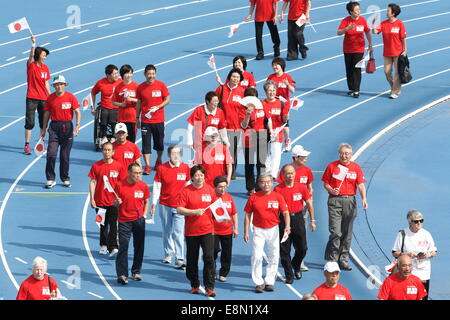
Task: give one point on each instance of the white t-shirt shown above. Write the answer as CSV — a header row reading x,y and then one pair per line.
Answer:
x,y
421,241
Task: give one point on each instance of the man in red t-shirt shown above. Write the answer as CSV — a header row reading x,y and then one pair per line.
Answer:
x,y
126,152
38,89
152,98
296,40
265,206
38,286
331,289
107,111
125,98
171,177
341,179
133,195
295,194
402,285
266,11
224,232
60,107
101,198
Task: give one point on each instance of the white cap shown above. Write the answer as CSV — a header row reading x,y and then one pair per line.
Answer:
x,y
210,131
120,127
59,79
299,151
331,266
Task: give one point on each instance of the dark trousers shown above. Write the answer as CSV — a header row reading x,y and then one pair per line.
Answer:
x,y
296,39
193,244
297,238
233,137
255,154
155,130
31,105
224,245
341,215
108,232
108,118
131,127
426,284
60,135
137,228
273,33
353,74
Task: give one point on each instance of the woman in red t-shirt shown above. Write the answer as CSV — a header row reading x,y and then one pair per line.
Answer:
x,y
354,27
239,62
38,286
394,41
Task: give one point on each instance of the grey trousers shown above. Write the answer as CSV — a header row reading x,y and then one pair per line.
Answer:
x,y
341,214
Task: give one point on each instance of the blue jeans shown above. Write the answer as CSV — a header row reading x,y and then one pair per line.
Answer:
x,y
172,232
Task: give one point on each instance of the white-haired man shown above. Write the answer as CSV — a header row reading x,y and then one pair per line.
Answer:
x,y
38,286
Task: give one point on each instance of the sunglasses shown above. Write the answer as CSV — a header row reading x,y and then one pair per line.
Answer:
x,y
417,221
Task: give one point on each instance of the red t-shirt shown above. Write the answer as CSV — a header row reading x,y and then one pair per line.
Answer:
x,y
193,198
215,160
354,177
133,196
33,289
216,119
276,113
393,33
37,76
152,95
264,10
354,39
323,292
249,80
396,288
126,153
61,108
257,122
294,196
225,228
282,89
231,104
106,89
115,172
303,175
127,113
172,181
296,8
266,208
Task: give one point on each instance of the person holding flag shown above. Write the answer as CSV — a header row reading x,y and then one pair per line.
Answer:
x,y
298,15
239,62
354,27
295,194
266,206
125,98
193,202
133,203
225,231
102,197
341,179
59,108
38,88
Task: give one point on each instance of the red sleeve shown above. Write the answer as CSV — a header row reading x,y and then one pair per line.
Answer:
x,y
53,284
92,173
305,194
343,24
115,97
251,80
233,207
280,177
249,205
310,177
402,31
383,294
192,117
228,158
48,72
290,79
283,205
219,90
96,88
23,291
223,120
138,93
75,103
348,296
137,153
188,173
327,175
422,292
46,105
147,191
360,176
158,174
165,92
366,26
182,198
123,172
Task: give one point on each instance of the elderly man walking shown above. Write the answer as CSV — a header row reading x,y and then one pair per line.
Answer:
x,y
331,289
341,179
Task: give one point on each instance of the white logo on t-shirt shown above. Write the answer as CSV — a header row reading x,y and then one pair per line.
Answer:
x,y
128,155
297,196
236,98
139,194
282,85
44,75
339,297
411,290
181,176
156,93
215,121
45,291
260,114
303,180
276,111
244,83
359,28
395,30
227,204
273,204
206,198
219,157
351,175
113,174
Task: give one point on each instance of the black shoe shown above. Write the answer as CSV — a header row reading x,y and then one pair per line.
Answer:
x,y
298,275
291,58
276,52
345,267
350,92
269,288
259,289
259,56
303,53
123,280
355,94
289,280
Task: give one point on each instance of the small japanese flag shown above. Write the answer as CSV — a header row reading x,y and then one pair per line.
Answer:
x,y
100,217
340,172
108,186
277,131
40,148
362,63
301,21
212,62
150,113
18,25
285,237
87,102
297,103
282,99
233,29
219,211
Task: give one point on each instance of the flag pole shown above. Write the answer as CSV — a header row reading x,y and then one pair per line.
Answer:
x,y
312,26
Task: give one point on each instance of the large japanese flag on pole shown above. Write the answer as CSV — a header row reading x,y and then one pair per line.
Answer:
x,y
212,63
340,172
100,217
219,211
108,186
87,102
19,25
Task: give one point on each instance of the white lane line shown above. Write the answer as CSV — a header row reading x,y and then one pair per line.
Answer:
x,y
20,260
103,25
11,123
82,31
26,51
147,13
125,19
65,37
12,58
50,193
95,295
45,44
71,285
94,22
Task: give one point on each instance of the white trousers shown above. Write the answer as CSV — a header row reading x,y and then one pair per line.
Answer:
x,y
274,159
271,238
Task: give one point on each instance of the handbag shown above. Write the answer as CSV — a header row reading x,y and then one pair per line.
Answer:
x,y
403,69
392,268
370,68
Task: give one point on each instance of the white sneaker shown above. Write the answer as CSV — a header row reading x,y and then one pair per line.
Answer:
x,y
103,250
180,264
167,259
113,253
67,184
50,184
393,96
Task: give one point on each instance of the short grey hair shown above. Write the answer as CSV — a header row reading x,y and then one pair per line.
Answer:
x,y
264,176
268,84
39,261
413,214
344,145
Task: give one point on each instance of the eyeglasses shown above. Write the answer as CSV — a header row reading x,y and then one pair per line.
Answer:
x,y
417,221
